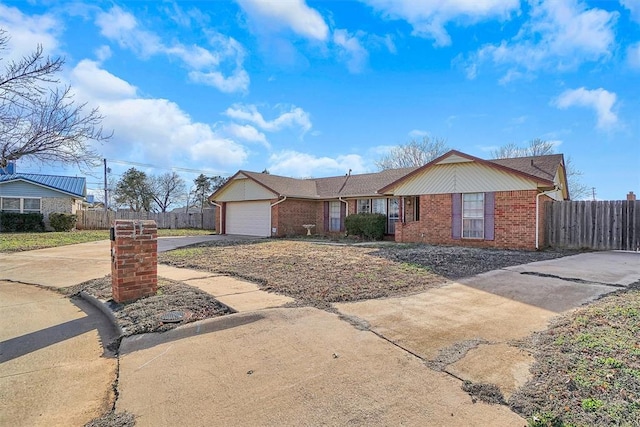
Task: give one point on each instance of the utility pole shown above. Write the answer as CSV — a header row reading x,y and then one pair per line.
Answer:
x,y
593,193
106,198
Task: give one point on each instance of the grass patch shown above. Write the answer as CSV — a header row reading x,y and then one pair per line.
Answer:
x,y
17,242
587,370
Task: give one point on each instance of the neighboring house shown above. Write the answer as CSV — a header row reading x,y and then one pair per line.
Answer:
x,y
456,199
46,194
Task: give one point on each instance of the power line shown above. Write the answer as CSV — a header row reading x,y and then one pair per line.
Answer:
x,y
149,165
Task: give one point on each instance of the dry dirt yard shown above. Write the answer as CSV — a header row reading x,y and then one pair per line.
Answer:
x,y
321,274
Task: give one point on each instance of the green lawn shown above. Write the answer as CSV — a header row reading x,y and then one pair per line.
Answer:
x,y
15,242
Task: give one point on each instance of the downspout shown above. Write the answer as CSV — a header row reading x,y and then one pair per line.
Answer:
x,y
220,209
277,203
544,193
346,205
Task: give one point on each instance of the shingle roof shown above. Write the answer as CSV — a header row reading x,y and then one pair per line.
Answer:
x,y
368,184
359,185
285,186
544,167
335,186
69,184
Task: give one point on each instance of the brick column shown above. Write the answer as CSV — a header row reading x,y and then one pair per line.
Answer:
x,y
134,259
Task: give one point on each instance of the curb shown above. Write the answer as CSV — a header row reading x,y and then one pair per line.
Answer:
x,y
104,309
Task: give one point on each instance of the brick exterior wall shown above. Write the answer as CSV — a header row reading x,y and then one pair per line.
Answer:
x,y
289,216
515,217
134,260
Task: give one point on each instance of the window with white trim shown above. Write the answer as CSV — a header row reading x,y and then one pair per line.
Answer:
x,y
473,215
20,204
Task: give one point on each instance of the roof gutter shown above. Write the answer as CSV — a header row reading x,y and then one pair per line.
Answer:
x,y
544,193
279,201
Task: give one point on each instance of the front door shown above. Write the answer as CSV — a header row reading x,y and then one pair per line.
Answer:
x,y
393,214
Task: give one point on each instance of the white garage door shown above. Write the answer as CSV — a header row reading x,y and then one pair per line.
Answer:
x,y
249,218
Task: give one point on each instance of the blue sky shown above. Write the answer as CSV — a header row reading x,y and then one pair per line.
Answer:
x,y
317,88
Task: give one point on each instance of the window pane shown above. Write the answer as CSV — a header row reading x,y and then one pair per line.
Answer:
x,y
473,228
380,206
31,205
334,216
473,205
364,206
11,204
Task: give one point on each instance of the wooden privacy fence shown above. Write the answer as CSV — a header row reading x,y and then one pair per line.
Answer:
x,y
600,225
101,220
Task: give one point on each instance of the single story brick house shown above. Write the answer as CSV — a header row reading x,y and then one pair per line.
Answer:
x,y
457,199
45,194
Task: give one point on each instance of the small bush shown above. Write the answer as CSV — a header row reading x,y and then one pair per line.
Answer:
x,y
62,221
12,222
366,225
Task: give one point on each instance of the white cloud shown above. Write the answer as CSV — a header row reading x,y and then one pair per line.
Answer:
x,y
418,133
634,8
220,67
296,164
103,53
351,50
246,133
633,55
27,32
157,130
100,84
295,116
292,14
561,35
429,17
600,100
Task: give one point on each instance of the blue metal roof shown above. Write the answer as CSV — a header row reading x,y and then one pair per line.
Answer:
x,y
68,184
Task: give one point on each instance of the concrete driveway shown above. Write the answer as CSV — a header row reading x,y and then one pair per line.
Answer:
x,y
76,263
466,328
380,362
53,368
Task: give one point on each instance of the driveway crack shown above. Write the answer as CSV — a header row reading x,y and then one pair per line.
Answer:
x,y
571,279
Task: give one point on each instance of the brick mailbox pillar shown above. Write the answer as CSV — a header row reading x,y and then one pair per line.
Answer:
x,y
134,259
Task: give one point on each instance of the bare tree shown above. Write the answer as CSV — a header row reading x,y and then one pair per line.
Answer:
x,y
536,147
39,120
167,189
413,153
540,147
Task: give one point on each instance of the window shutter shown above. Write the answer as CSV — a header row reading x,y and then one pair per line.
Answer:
x,y
489,216
456,216
326,217
343,214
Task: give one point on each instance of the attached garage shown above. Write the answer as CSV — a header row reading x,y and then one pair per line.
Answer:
x,y
249,218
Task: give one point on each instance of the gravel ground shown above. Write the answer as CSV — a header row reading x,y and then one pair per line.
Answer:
x,y
456,262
